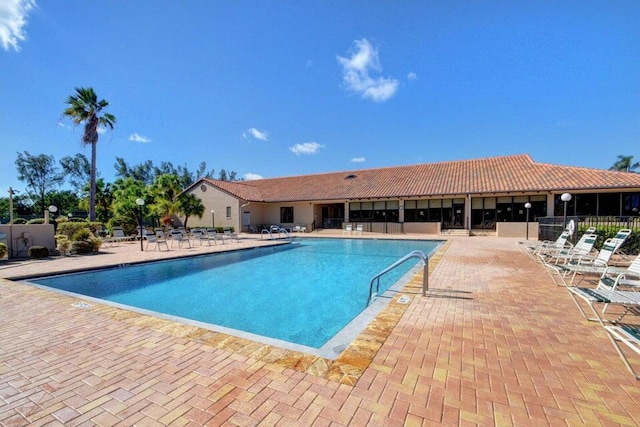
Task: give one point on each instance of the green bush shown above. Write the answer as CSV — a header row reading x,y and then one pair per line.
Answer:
x,y
82,235
96,242
3,250
81,247
63,243
36,221
19,221
37,252
70,228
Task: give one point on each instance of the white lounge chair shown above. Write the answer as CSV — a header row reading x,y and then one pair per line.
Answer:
x,y
177,236
359,228
615,277
581,248
616,331
156,239
348,229
230,235
533,249
200,235
582,265
212,235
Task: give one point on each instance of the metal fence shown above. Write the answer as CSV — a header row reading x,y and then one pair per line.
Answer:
x,y
550,228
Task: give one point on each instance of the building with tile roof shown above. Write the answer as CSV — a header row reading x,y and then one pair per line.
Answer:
x,y
478,194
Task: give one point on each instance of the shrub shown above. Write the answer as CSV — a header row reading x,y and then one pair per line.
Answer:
x,y
36,221
81,247
96,242
3,250
82,235
70,228
37,252
63,243
19,221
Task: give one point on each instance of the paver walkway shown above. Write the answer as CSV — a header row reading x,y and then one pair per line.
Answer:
x,y
494,343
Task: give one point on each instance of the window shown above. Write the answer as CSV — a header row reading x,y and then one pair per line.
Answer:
x,y
228,212
378,211
286,214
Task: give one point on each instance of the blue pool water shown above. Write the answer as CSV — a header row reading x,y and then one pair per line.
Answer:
x,y
303,293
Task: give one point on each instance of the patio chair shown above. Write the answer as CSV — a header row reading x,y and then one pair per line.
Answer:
x,y
200,236
229,235
359,228
156,239
614,277
617,332
348,229
582,265
581,248
533,249
212,235
177,236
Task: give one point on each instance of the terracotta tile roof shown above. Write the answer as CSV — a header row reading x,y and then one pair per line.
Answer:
x,y
489,175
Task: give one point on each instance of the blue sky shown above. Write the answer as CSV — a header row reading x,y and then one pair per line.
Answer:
x,y
281,88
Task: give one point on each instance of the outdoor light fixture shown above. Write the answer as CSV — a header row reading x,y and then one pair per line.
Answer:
x,y
527,206
565,198
213,221
140,203
53,209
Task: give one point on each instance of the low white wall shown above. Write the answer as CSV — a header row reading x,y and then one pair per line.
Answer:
x,y
20,237
517,229
422,227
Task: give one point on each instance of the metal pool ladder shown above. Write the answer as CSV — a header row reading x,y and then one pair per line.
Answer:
x,y
425,275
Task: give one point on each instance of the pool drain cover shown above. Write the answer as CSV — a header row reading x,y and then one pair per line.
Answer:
x,y
82,305
404,299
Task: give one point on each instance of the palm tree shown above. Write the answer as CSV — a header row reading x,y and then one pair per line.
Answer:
x,y
624,164
84,107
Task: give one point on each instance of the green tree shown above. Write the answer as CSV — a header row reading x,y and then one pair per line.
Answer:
x,y
190,205
125,210
66,201
84,107
165,191
40,174
77,171
625,164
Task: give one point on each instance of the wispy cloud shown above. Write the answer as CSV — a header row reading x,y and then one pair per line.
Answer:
x,y
13,20
307,148
358,160
412,76
136,137
356,69
252,176
262,135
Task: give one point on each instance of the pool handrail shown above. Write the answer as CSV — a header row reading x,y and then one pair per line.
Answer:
x,y
414,254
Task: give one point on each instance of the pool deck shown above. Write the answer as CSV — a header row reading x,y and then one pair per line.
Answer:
x,y
494,342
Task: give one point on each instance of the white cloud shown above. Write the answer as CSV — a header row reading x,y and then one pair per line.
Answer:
x,y
262,135
252,176
307,148
358,160
136,137
412,76
356,69
13,19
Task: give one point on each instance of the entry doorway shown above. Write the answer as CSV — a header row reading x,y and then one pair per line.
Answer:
x,y
332,216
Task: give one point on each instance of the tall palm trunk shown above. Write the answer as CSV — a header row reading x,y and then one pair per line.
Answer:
x,y
92,183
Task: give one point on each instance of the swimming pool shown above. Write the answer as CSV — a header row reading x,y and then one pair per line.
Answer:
x,y
302,293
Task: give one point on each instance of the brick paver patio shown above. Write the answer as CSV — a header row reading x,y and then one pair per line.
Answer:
x,y
494,343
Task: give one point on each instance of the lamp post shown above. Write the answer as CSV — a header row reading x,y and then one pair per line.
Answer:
x,y
11,193
140,203
51,209
213,219
565,198
527,206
